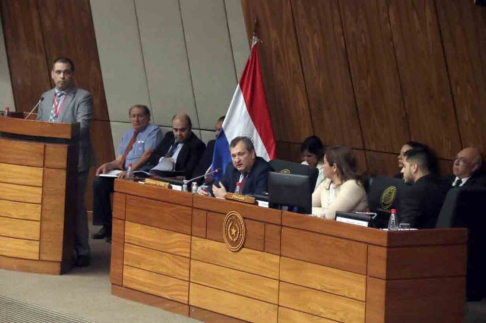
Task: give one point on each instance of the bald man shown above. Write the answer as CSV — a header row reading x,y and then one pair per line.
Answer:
x,y
181,146
466,170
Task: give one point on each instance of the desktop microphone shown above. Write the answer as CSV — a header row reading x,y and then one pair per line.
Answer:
x,y
198,177
35,107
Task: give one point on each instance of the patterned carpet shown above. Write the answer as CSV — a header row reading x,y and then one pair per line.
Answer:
x,y
13,311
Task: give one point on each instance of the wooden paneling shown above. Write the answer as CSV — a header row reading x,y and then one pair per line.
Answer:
x,y
418,262
56,156
118,231
21,175
53,202
410,300
232,305
199,219
152,283
159,214
434,237
281,68
18,248
150,300
327,77
30,266
26,53
22,229
325,305
116,265
273,236
384,164
289,151
323,278
21,153
254,231
119,205
235,282
289,316
158,239
373,67
156,261
19,193
153,192
211,317
20,210
462,26
324,250
247,211
246,260
423,75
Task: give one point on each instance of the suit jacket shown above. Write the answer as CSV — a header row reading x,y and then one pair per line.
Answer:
x,y
77,107
256,181
206,161
421,204
188,157
476,180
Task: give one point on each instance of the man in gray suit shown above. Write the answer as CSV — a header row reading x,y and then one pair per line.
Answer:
x,y
67,103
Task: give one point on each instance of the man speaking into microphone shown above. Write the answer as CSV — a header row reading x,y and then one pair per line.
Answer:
x,y
66,103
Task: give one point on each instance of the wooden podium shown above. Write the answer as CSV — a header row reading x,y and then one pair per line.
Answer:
x,y
169,250
38,184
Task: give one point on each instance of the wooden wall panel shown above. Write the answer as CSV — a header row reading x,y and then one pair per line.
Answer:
x,y
382,163
19,210
462,26
24,42
281,68
423,75
374,73
327,78
21,175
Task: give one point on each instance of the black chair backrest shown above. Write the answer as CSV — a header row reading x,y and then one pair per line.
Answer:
x,y
287,167
384,194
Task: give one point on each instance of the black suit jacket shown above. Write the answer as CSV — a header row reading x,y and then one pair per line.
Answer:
x,y
421,204
255,183
188,157
206,161
476,180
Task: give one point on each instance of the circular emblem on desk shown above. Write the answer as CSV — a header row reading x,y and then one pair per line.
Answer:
x,y
234,232
285,171
388,197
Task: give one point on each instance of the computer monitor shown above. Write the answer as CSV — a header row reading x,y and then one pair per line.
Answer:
x,y
294,191
287,167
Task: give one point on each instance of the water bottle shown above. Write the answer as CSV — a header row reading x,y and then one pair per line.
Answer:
x,y
129,172
393,222
194,188
6,112
237,190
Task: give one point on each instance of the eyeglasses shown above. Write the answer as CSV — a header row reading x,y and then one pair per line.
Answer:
x,y
139,117
461,161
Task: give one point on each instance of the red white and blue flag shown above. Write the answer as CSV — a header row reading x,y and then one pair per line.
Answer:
x,y
247,116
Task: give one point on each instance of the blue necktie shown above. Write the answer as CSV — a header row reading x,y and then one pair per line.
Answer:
x,y
52,116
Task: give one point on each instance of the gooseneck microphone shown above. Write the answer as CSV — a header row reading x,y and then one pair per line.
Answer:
x,y
186,181
35,107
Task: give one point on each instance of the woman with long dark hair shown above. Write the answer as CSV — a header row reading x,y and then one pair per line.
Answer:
x,y
343,189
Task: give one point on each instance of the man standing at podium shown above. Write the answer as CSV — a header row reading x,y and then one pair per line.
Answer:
x,y
66,103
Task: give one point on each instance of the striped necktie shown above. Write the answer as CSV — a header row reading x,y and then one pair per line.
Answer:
x,y
52,116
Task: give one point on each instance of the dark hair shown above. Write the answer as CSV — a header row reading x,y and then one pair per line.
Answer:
x,y
64,60
247,141
345,162
419,156
146,110
314,145
221,119
184,115
431,162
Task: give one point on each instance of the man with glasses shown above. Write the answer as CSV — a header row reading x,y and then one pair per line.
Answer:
x,y
136,146
466,170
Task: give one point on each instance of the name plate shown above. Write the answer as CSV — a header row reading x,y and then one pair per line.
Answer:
x,y
352,221
154,182
240,198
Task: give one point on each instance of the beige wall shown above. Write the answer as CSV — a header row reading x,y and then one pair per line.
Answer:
x,y
6,94
172,55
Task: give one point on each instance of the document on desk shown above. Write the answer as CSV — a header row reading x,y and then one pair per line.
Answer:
x,y
112,173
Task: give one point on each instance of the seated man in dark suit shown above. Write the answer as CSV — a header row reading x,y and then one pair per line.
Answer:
x,y
421,205
246,169
465,171
181,146
207,159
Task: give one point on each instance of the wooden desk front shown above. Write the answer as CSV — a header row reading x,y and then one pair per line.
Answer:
x,y
168,251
